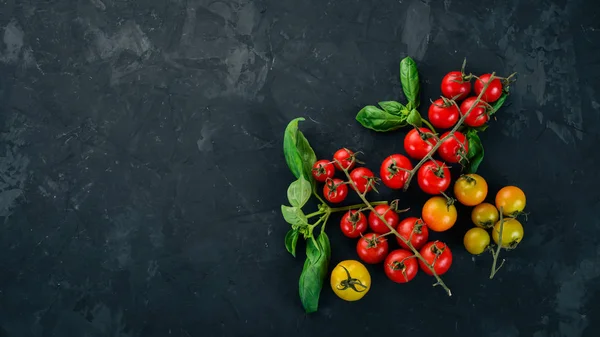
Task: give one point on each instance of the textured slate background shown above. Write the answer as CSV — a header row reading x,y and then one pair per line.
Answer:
x,y
141,169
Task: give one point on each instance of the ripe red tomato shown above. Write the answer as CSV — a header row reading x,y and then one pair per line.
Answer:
x,y
322,170
493,91
372,248
443,114
454,84
390,216
438,255
344,156
413,229
335,190
417,145
434,177
361,177
454,149
394,171
353,224
401,266
478,116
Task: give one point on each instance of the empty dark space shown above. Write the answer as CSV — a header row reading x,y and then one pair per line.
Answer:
x,y
142,168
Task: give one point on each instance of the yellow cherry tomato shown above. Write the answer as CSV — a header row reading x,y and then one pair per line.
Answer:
x,y
512,232
484,215
511,199
470,189
438,214
350,280
476,240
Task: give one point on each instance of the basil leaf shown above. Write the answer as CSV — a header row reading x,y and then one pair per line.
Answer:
x,y
299,156
414,118
294,216
298,192
409,77
291,239
393,107
498,103
371,117
475,153
318,253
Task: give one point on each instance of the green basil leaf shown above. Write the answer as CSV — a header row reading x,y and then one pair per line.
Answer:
x,y
475,153
298,192
498,104
414,118
393,107
482,128
299,156
318,253
294,216
371,117
291,239
409,77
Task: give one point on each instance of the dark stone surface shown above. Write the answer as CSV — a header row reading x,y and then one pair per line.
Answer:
x,y
141,170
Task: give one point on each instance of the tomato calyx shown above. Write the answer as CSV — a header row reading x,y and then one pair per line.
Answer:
x,y
394,207
394,169
332,186
373,242
447,102
351,283
417,229
463,76
354,218
425,136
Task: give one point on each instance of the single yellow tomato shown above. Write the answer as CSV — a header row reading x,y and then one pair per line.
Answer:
x,y
350,280
476,240
511,199
512,232
438,214
470,189
484,215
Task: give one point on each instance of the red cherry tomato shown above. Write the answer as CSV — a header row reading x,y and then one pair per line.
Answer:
x,y
390,216
372,248
361,177
438,255
478,115
434,177
412,229
353,224
453,85
417,145
401,266
344,156
443,114
322,170
493,91
454,148
335,190
393,171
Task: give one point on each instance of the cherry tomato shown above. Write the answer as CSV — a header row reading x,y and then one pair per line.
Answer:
x,y
372,248
362,177
493,91
350,280
394,171
417,145
478,115
512,232
438,255
454,84
433,177
438,214
443,114
322,170
353,224
476,240
335,190
390,216
470,189
401,266
412,229
484,215
344,156
511,199
454,149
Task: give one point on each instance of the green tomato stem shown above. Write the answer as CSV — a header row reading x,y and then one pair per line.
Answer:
x,y
308,216
428,125
357,206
